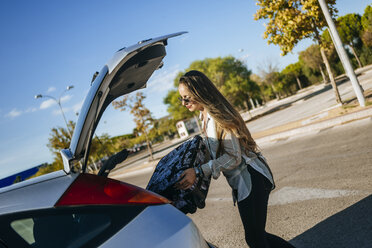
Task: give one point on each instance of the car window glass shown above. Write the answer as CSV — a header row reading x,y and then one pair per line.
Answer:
x,y
63,230
105,145
24,228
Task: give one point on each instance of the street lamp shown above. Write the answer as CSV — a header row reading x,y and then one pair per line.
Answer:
x,y
59,104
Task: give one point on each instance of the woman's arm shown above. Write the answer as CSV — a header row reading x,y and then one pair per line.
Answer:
x,y
188,178
230,159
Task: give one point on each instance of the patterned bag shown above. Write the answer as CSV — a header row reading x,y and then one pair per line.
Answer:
x,y
169,169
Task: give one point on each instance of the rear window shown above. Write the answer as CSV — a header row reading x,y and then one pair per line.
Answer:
x,y
66,227
64,230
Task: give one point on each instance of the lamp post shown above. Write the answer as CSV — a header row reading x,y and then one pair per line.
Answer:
x,y
58,101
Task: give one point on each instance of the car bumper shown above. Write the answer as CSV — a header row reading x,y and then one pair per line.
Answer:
x,y
160,226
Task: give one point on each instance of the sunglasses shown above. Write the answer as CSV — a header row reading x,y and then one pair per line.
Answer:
x,y
186,100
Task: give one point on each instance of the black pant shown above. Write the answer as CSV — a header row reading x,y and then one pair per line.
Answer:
x,y
253,210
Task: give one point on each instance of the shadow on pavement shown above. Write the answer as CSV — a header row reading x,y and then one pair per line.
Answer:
x,y
326,87
272,110
318,92
350,228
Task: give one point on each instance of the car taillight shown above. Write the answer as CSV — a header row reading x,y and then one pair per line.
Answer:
x,y
88,189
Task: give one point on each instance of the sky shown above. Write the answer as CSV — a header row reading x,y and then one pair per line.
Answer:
x,y
46,46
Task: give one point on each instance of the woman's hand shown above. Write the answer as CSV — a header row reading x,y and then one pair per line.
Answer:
x,y
187,179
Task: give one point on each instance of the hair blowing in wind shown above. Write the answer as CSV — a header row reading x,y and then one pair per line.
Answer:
x,y
226,116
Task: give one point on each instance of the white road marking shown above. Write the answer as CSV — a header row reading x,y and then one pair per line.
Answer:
x,y
314,118
287,195
216,199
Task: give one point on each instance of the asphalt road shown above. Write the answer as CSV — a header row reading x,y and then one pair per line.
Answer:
x,y
323,194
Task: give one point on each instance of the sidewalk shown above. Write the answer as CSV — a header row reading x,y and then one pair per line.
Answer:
x,y
323,120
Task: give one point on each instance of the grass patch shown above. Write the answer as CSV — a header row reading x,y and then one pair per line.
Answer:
x,y
349,106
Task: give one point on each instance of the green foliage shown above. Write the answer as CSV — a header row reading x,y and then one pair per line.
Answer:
x,y
102,147
17,179
366,20
48,168
164,127
311,57
290,77
349,28
292,20
367,26
230,76
326,40
120,142
366,55
312,62
59,139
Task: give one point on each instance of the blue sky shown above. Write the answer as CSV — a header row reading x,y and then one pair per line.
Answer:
x,y
47,45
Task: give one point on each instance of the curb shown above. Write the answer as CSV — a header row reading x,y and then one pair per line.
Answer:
x,y
362,114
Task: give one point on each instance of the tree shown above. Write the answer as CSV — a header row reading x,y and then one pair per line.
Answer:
x,y
313,59
59,139
142,116
366,22
102,146
120,142
259,96
349,28
230,76
330,51
17,179
165,126
293,20
294,71
269,73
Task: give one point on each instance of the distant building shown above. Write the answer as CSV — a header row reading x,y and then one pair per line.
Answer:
x,y
187,127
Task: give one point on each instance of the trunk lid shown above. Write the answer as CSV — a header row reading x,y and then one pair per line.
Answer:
x,y
127,71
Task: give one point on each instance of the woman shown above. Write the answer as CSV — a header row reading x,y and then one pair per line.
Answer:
x,y
234,153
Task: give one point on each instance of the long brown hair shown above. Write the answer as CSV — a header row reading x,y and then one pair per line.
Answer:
x,y
227,118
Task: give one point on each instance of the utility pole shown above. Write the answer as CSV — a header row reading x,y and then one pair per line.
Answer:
x,y
342,53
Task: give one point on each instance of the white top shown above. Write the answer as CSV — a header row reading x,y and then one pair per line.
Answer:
x,y
230,163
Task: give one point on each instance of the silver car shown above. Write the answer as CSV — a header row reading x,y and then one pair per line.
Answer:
x,y
71,208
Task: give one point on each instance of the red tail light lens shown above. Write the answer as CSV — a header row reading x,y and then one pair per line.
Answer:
x,y
90,189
